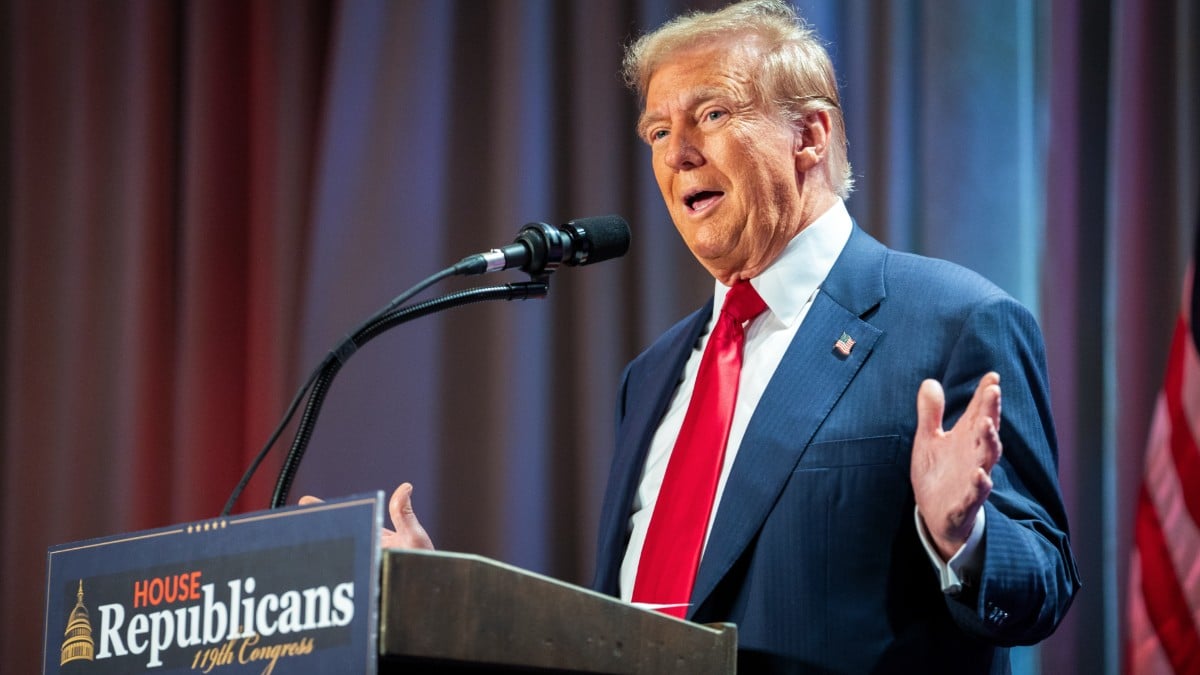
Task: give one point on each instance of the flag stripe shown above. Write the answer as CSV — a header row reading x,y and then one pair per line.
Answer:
x,y
1143,652
1165,602
1161,483
1183,443
1164,584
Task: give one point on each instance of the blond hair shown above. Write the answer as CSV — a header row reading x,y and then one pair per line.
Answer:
x,y
794,76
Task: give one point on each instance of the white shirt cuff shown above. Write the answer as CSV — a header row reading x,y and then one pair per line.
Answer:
x,y
965,559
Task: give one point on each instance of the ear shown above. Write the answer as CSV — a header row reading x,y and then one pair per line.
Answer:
x,y
812,140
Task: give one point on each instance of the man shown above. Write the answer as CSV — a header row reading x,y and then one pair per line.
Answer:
x,y
836,523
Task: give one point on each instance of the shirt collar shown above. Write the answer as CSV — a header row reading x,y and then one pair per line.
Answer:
x,y
792,280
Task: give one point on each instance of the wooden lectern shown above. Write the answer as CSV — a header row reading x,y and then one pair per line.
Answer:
x,y
307,591
458,613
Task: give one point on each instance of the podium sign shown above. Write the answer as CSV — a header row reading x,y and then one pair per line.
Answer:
x,y
294,590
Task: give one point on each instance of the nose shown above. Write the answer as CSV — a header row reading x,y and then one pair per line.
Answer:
x,y
682,154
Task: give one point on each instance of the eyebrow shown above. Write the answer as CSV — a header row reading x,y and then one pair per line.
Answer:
x,y
645,121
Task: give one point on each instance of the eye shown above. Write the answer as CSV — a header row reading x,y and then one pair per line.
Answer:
x,y
657,134
714,115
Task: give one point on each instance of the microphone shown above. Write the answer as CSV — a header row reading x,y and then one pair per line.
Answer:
x,y
540,248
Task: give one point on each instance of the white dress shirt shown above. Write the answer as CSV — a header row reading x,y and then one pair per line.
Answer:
x,y
788,287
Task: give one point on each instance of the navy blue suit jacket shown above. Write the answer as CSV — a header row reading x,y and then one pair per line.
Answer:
x,y
814,553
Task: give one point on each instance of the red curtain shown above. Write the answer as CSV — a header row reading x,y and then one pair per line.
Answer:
x,y
161,161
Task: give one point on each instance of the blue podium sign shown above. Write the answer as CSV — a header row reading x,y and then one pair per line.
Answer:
x,y
293,590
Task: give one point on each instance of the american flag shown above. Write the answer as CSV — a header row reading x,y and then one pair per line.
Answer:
x,y
1164,575
844,344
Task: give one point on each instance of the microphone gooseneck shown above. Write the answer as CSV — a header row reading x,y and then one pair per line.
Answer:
x,y
538,250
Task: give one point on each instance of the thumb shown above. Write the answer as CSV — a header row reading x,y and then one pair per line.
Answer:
x,y
931,406
409,532
400,507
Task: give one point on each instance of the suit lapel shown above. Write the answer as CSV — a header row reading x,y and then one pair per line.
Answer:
x,y
806,386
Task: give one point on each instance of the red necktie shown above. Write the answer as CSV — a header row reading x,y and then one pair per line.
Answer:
x,y
675,538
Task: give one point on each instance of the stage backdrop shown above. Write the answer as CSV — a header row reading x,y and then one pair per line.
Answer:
x,y
199,199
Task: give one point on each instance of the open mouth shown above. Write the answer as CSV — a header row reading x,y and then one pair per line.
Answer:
x,y
701,200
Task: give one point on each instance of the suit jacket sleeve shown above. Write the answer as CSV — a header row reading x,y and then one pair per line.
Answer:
x,y
1029,574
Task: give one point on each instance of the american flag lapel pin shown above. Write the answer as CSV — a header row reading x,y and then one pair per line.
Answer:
x,y
844,344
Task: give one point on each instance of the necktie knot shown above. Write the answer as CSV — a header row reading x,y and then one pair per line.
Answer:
x,y
742,302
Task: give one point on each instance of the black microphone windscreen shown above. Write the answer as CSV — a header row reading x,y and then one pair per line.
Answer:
x,y
607,237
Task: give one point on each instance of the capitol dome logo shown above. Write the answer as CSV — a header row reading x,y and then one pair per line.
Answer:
x,y
77,640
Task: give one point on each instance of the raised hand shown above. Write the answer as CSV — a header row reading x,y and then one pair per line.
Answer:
x,y
408,533
951,470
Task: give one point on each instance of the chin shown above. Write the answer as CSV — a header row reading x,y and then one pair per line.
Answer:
x,y
711,243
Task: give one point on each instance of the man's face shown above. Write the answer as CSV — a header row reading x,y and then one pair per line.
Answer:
x,y
727,168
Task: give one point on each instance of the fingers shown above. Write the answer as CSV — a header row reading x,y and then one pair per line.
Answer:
x,y
309,500
988,443
984,410
931,406
986,401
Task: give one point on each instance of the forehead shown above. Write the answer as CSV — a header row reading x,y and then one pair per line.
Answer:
x,y
699,73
